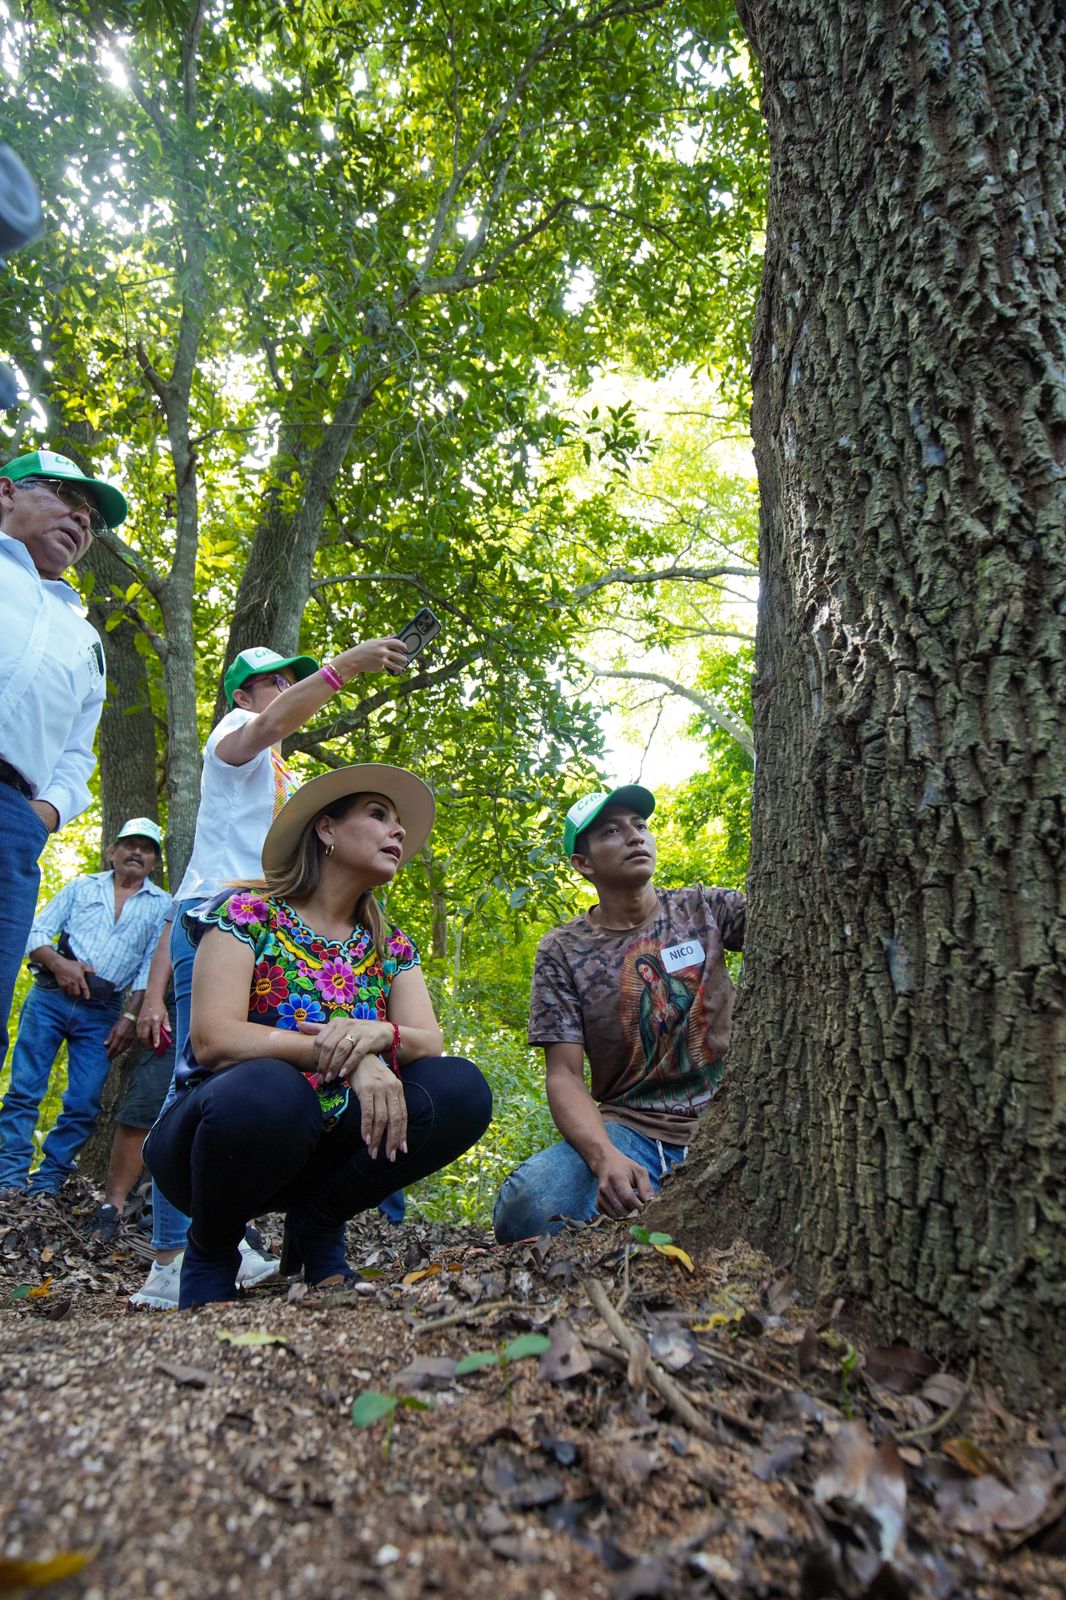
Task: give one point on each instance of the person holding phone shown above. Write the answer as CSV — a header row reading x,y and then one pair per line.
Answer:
x,y
315,1083
244,784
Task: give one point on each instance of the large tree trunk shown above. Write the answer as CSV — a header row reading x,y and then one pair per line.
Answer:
x,y
126,740
896,1118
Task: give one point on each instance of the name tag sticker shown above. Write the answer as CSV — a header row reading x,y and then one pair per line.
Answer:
x,y
679,956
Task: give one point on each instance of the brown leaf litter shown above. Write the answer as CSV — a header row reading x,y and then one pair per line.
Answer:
x,y
671,1434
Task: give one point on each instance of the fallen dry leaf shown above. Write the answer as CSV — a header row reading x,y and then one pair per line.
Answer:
x,y
16,1574
433,1271
971,1458
187,1377
869,1478
566,1357
898,1367
676,1253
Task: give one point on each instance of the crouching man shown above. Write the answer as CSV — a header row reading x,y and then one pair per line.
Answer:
x,y
637,984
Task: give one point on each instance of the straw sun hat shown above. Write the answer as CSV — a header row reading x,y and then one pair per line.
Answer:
x,y
412,798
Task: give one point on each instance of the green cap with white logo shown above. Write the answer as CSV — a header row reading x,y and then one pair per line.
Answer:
x,y
140,828
583,813
250,663
50,464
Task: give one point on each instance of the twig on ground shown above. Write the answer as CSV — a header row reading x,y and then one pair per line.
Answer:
x,y
661,1382
469,1314
764,1378
929,1428
625,1280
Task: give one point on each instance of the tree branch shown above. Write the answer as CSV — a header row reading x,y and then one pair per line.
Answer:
x,y
129,558
671,574
723,719
311,742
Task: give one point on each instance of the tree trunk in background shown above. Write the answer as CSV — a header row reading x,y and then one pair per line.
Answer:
x,y
95,1157
126,740
896,1117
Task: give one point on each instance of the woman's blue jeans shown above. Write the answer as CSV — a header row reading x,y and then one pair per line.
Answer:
x,y
558,1183
251,1139
170,1227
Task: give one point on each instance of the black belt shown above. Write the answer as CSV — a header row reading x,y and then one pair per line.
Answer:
x,y
12,776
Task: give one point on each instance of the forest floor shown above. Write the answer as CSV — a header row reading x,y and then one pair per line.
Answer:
x,y
634,1429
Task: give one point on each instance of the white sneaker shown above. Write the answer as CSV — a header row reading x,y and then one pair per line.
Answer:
x,y
255,1267
160,1288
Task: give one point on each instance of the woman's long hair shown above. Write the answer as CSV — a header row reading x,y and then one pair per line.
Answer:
x,y
301,876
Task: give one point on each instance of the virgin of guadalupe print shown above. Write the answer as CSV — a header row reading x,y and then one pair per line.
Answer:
x,y
663,1023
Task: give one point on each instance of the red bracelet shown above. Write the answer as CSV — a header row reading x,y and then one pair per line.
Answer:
x,y
332,676
395,1049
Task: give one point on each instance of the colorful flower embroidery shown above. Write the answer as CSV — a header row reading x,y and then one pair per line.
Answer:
x,y
299,1008
299,976
269,986
336,982
246,907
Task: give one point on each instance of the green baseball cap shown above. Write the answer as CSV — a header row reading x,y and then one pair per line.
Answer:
x,y
50,464
250,663
140,828
583,813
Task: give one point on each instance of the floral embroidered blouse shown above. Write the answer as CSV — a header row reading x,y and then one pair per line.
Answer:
x,y
300,977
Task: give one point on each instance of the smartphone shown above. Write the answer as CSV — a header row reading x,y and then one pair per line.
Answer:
x,y
417,633
165,1040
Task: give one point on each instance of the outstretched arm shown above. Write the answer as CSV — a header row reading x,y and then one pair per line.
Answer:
x,y
301,700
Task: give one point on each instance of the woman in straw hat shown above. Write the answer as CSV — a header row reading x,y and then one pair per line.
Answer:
x,y
314,1084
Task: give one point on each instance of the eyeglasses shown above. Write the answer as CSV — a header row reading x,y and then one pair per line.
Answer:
x,y
275,678
73,497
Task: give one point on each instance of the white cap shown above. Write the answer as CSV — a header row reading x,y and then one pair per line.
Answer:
x,y
141,827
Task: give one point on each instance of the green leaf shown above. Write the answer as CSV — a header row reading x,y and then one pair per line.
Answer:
x,y
527,1344
476,1361
660,1238
641,1235
254,1336
372,1406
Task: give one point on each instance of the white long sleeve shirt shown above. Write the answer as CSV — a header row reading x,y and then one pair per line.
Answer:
x,y
51,682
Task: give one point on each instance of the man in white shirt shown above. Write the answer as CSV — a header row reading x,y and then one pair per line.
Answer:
x,y
51,677
88,945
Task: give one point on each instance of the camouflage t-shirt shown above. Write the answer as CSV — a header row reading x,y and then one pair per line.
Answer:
x,y
651,1005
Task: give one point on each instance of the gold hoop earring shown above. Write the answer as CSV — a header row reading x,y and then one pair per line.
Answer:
x,y
329,848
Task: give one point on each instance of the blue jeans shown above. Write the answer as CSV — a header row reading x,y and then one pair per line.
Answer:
x,y
22,838
250,1139
170,1227
48,1018
558,1183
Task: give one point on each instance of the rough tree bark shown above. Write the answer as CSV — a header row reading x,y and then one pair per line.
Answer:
x,y
126,747
895,1118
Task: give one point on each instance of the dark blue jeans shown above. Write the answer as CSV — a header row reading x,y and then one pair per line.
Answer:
x,y
250,1139
49,1018
22,838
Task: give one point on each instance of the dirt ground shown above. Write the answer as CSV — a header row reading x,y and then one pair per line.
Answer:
x,y
629,1428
